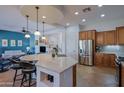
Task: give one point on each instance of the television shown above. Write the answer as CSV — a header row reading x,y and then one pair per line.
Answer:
x,y
42,49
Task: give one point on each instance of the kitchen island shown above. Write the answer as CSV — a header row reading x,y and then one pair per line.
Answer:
x,y
62,69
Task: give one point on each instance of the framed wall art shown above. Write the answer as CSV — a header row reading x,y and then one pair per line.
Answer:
x,y
13,43
19,42
4,42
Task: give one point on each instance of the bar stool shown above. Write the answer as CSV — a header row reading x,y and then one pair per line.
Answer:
x,y
27,69
16,66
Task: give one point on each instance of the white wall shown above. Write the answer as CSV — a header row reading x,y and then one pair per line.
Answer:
x,y
104,25
72,37
57,37
66,39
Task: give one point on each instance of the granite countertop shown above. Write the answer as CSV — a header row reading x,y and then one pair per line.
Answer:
x,y
57,64
107,52
118,54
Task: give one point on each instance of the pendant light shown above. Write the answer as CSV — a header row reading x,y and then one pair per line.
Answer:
x,y
37,33
27,35
43,37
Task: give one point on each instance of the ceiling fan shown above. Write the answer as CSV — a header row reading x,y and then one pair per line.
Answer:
x,y
23,30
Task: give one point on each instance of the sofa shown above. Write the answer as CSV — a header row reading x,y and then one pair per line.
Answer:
x,y
11,53
4,64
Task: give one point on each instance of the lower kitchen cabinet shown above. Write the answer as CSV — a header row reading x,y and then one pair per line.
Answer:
x,y
98,59
104,60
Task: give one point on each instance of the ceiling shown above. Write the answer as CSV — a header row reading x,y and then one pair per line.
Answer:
x,y
12,17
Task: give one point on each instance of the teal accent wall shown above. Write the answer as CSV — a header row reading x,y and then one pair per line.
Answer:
x,y
9,35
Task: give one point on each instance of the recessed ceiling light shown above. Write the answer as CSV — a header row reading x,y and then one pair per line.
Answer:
x,y
102,15
67,24
76,13
83,20
43,17
100,5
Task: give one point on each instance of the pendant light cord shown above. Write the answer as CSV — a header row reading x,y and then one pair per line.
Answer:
x,y
37,17
27,22
43,27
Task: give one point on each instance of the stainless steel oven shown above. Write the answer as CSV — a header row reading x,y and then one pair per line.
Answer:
x,y
118,71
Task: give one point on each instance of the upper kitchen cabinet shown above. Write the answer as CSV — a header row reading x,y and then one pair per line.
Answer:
x,y
120,35
82,35
91,35
106,38
87,35
109,37
100,38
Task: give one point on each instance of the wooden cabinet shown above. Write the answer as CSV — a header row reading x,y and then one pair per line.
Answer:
x,y
98,59
109,38
91,35
99,38
87,35
112,60
109,60
104,60
120,35
106,38
82,35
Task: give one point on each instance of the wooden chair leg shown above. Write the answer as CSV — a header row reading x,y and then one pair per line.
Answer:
x,y
30,78
22,80
14,78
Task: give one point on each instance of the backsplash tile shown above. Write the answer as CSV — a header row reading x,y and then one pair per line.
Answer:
x,y
117,49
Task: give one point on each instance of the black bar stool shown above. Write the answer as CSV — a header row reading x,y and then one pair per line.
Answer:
x,y
16,66
27,70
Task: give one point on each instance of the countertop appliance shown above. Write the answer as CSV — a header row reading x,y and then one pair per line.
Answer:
x,y
86,52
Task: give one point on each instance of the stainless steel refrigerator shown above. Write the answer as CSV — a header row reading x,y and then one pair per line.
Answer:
x,y
86,52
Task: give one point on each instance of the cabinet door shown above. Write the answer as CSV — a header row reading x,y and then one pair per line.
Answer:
x,y
109,60
112,63
98,59
82,35
91,35
120,35
109,37
99,38
106,60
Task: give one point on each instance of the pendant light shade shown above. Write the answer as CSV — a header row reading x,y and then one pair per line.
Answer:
x,y
43,37
27,35
37,33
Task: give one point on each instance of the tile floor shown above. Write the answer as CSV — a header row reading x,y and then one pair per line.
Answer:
x,y
87,76
91,76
